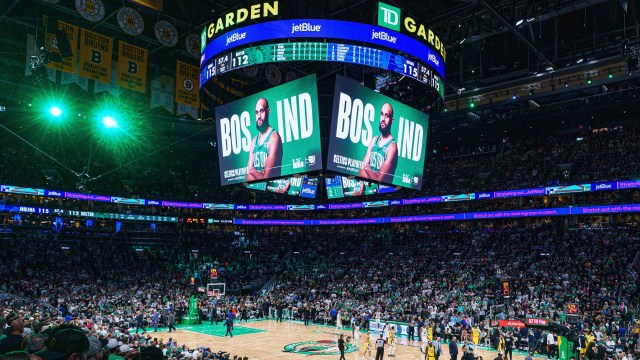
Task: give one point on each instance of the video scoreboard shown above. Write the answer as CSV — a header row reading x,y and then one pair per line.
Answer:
x,y
322,51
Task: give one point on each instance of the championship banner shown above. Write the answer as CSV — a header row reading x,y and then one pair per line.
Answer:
x,y
96,52
132,67
162,93
270,134
68,64
375,137
187,77
154,4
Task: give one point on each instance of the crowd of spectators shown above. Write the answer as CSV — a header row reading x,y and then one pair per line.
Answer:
x,y
449,277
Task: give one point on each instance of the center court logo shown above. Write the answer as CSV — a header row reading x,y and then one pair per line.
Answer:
x,y
321,347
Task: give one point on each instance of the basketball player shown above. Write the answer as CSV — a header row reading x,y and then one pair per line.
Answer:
x,y
392,341
265,155
385,332
339,321
430,353
366,346
424,336
475,336
356,332
379,164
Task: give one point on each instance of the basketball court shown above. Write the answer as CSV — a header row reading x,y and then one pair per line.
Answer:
x,y
268,339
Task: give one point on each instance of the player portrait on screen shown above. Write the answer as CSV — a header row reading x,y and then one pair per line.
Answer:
x,y
353,188
379,163
283,186
265,155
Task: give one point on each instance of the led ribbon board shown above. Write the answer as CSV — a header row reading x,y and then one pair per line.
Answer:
x,y
321,51
501,194
324,29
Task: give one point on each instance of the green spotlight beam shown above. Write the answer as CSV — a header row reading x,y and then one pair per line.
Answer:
x,y
153,152
37,148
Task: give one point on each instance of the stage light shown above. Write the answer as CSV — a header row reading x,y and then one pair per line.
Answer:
x,y
472,105
109,122
610,76
55,111
589,80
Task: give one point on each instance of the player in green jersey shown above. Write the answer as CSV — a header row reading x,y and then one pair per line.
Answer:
x,y
265,155
379,164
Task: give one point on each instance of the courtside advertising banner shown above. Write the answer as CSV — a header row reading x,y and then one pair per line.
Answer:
x,y
375,137
270,134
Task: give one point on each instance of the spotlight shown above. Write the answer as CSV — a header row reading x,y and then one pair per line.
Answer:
x,y
55,111
109,122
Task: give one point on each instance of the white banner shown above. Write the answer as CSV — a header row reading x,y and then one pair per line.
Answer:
x,y
189,110
31,51
162,90
112,88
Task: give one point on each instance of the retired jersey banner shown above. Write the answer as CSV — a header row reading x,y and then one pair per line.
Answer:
x,y
96,52
132,67
68,64
162,93
187,91
270,134
375,137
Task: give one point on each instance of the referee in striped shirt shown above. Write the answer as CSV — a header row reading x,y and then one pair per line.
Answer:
x,y
380,348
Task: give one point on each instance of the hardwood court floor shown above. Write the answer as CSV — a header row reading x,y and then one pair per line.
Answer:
x,y
266,340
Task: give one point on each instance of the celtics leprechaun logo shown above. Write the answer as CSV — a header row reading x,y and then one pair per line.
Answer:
x,y
321,347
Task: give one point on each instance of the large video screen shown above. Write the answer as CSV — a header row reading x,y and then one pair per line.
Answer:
x,y
341,187
294,186
271,134
375,137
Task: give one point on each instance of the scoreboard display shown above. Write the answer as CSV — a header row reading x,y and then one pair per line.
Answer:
x,y
322,51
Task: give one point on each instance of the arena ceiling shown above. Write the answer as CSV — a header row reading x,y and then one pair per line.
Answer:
x,y
490,43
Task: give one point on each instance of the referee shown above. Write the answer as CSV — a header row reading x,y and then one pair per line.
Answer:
x,y
380,348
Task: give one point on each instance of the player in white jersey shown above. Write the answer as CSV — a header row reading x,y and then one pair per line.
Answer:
x,y
339,321
424,335
356,332
385,332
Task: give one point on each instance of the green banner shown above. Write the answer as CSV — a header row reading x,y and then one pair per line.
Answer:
x,y
375,137
270,134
